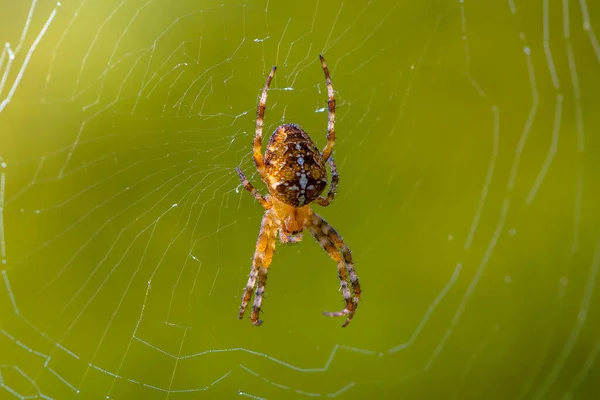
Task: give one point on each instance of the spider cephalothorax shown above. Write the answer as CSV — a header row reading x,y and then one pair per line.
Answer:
x,y
295,174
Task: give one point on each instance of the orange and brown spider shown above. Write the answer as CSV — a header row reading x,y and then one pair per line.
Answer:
x,y
295,174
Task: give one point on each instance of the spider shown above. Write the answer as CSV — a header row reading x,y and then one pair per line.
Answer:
x,y
295,174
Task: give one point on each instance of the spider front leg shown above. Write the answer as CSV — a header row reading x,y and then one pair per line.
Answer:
x,y
260,116
265,246
331,114
328,238
248,186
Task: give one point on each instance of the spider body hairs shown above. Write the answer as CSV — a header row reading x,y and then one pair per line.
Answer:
x,y
295,174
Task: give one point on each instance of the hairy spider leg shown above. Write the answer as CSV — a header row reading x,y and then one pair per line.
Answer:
x,y
249,187
333,252
262,273
260,115
333,244
262,281
331,114
339,242
335,179
263,255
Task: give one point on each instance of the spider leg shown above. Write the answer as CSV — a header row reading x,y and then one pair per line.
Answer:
x,y
331,114
328,239
335,179
260,115
339,242
248,186
262,281
263,255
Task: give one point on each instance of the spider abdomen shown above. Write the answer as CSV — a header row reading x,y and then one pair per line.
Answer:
x,y
294,169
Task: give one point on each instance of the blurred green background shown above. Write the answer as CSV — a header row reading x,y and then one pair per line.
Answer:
x,y
468,151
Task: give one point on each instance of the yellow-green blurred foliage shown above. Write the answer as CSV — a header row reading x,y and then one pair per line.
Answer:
x,y
467,144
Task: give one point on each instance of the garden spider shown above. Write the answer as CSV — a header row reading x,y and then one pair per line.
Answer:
x,y
295,174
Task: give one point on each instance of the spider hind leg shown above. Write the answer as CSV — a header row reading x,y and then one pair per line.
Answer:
x,y
262,282
333,244
265,246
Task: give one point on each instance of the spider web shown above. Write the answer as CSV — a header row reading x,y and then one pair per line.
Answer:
x,y
468,155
